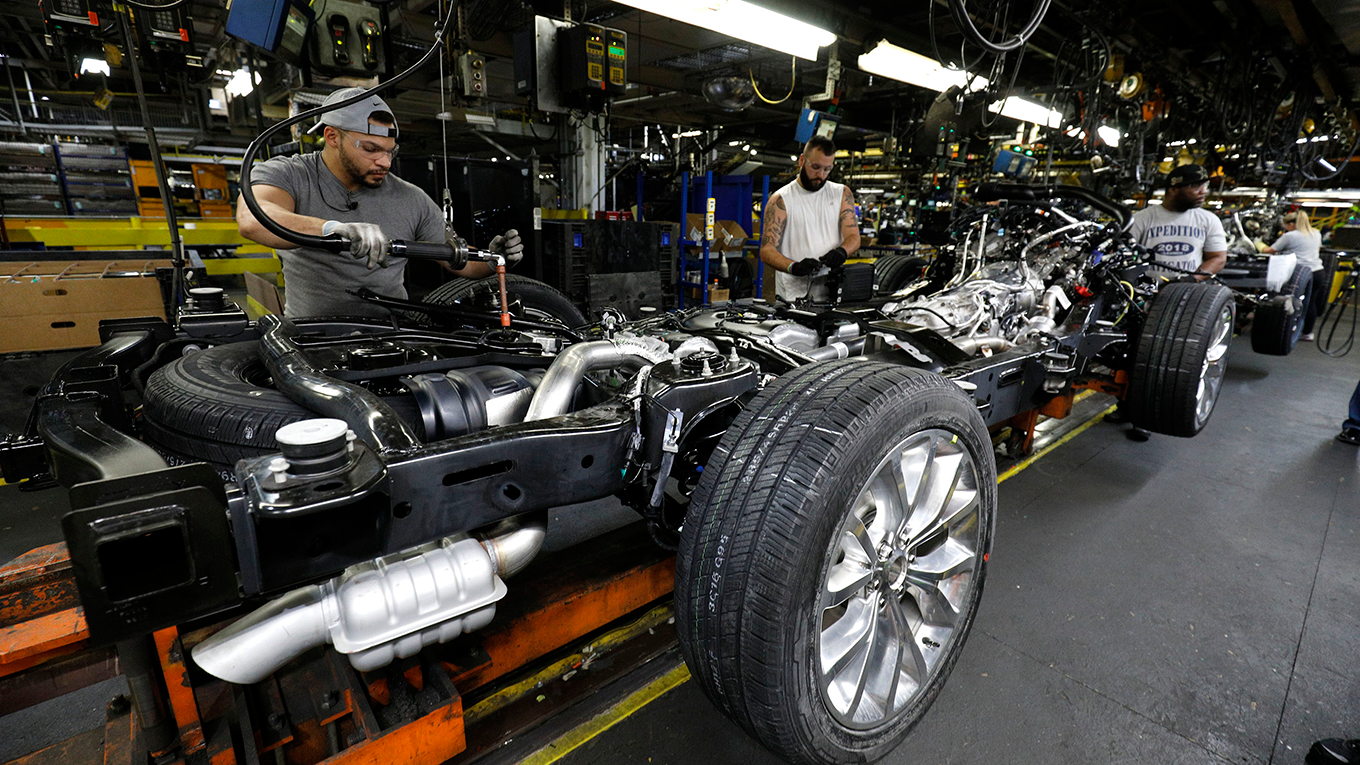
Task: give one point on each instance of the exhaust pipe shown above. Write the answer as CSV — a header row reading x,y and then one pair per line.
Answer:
x,y
375,612
554,394
514,542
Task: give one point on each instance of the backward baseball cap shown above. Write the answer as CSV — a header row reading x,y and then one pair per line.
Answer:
x,y
355,117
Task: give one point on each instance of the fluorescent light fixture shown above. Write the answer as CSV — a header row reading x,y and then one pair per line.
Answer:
x,y
747,147
96,66
1109,135
1314,139
734,143
1321,203
908,66
240,84
485,120
687,134
1027,111
744,21
213,103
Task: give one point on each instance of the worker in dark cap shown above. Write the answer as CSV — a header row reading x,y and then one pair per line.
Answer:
x,y
1181,234
348,189
1179,231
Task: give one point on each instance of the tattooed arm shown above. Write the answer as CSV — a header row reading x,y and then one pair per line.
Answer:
x,y
849,224
776,220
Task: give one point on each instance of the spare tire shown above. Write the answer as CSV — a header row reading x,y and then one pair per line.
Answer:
x,y
218,405
1278,324
1182,353
539,300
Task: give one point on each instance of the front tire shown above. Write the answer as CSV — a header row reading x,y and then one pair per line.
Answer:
x,y
833,557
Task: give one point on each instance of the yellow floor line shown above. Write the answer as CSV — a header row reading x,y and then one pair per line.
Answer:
x,y
601,723
597,647
1030,460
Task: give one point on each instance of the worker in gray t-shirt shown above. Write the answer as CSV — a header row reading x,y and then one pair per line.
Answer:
x,y
346,189
1180,231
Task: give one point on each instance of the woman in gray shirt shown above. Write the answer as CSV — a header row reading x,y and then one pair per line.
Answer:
x,y
1305,242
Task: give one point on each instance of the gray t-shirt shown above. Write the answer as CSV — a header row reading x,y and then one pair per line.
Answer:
x,y
1179,239
316,280
1305,246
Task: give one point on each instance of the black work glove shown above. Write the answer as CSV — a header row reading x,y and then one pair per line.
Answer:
x,y
835,258
806,267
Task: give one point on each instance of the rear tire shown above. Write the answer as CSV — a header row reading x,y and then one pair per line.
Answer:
x,y
1181,356
1278,324
796,538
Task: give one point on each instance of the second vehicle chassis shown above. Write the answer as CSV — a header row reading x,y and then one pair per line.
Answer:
x,y
825,475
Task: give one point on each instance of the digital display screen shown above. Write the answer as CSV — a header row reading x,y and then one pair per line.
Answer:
x,y
616,50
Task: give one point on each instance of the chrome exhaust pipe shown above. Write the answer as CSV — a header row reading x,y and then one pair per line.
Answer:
x,y
514,542
374,612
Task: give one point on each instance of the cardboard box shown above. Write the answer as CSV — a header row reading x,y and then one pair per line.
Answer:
x,y
715,294
730,235
52,305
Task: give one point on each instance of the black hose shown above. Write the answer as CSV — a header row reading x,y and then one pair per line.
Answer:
x,y
332,243
937,315
960,12
1022,192
1326,338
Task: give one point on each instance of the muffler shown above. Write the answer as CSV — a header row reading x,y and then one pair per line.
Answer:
x,y
375,612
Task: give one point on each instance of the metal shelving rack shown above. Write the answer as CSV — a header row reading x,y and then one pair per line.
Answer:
x,y
686,262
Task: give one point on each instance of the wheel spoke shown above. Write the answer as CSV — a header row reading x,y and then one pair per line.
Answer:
x,y
860,543
946,470
933,578
843,641
845,581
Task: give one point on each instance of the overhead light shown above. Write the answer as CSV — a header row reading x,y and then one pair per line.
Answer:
x,y
1321,203
45,98
753,152
734,143
240,84
1109,135
687,134
213,103
95,66
908,66
1027,111
744,21
747,147
793,157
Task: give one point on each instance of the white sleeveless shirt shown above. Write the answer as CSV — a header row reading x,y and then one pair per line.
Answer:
x,y
813,229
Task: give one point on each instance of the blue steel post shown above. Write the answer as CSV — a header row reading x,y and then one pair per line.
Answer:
x,y
760,240
684,229
708,202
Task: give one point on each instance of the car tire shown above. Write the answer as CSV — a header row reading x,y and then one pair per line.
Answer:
x,y
538,299
1278,323
1180,358
780,513
218,405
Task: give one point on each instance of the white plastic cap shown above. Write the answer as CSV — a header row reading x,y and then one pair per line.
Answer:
x,y
311,432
